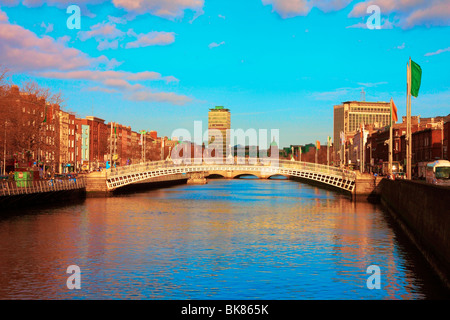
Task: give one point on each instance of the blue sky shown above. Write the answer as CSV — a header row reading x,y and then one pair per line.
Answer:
x,y
277,64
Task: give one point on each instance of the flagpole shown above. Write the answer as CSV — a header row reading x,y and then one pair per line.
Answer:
x,y
361,162
328,151
110,145
317,151
408,122
360,151
390,143
300,153
342,150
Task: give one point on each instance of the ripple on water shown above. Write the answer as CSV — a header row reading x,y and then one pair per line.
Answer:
x,y
238,239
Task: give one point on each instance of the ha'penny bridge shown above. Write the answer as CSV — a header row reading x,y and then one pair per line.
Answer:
x,y
198,171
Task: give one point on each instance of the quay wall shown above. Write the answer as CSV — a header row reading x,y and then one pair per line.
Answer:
x,y
42,198
423,212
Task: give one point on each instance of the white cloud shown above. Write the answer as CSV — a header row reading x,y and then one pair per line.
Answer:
x,y
101,31
162,8
48,27
119,82
385,24
169,9
117,20
3,17
154,38
215,44
96,75
101,89
104,31
61,4
289,8
408,13
105,44
371,85
294,8
23,50
340,94
437,52
360,25
167,97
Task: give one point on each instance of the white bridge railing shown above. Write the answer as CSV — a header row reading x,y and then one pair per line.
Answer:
x,y
10,188
342,178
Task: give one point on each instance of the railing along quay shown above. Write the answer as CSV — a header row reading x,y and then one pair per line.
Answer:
x,y
11,188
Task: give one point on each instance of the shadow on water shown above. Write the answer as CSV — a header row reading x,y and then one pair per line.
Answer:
x,y
144,187
36,208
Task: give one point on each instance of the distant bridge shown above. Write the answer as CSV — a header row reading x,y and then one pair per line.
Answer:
x,y
263,169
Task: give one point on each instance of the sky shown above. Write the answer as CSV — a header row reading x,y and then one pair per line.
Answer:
x,y
276,64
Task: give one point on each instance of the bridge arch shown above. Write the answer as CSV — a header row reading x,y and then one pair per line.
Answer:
x,y
249,175
215,176
278,176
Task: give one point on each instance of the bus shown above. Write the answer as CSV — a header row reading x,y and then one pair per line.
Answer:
x,y
438,172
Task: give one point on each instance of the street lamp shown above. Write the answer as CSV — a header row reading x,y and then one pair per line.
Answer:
x,y
442,139
4,151
143,132
370,156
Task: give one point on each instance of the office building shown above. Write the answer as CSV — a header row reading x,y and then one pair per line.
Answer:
x,y
351,114
219,119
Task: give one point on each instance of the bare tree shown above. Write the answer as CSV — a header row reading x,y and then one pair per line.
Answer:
x,y
30,119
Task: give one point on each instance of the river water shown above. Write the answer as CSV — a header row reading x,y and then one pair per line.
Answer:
x,y
228,239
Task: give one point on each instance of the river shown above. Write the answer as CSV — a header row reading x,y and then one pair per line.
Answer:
x,y
228,239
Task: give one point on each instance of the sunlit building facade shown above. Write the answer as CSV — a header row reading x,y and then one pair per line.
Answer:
x,y
219,119
351,114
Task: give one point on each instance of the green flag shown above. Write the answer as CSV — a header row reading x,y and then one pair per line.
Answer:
x,y
416,78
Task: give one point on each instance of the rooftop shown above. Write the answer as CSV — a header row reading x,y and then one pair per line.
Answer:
x,y
220,108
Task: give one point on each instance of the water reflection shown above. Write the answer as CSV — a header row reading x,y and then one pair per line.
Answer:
x,y
238,239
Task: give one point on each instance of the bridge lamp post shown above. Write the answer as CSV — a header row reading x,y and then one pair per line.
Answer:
x,y
143,132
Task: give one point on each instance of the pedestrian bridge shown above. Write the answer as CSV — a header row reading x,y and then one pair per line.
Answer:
x,y
263,169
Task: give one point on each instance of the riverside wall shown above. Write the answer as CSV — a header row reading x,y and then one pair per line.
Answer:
x,y
423,212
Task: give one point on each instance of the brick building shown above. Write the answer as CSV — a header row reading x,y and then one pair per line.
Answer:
x,y
31,127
